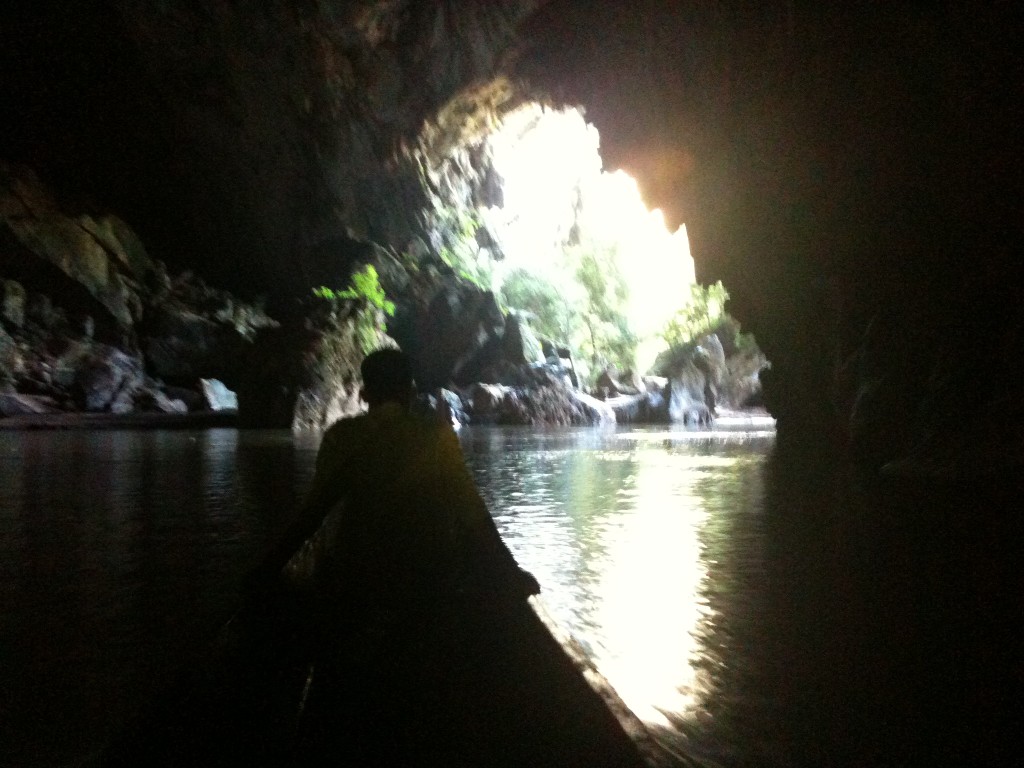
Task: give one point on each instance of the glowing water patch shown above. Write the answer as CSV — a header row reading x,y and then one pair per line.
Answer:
x,y
723,435
651,601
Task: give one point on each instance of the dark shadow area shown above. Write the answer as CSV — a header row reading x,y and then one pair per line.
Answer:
x,y
83,115
896,609
470,686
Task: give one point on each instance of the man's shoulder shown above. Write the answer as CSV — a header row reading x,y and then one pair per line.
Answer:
x,y
411,423
348,425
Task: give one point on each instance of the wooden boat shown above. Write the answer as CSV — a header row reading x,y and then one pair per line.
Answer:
x,y
476,685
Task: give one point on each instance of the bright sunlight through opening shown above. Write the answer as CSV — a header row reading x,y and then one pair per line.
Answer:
x,y
556,194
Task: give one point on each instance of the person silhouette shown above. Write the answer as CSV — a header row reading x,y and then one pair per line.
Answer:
x,y
403,524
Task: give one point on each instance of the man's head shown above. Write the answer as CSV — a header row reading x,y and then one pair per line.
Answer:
x,y
387,377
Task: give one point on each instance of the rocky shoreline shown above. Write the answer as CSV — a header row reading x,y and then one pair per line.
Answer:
x,y
94,333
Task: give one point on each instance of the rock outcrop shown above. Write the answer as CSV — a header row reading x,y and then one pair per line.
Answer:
x,y
96,265
134,338
720,368
192,331
89,322
549,403
304,375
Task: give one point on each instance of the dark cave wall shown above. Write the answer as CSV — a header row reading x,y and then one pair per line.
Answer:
x,y
258,142
851,173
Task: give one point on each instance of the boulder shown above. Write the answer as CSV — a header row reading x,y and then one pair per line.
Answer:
x,y
484,402
520,345
444,406
154,401
453,407
740,386
12,303
547,405
702,378
61,359
217,396
193,331
687,404
647,407
40,309
709,357
10,358
181,345
26,405
106,375
123,402
305,376
455,336
608,385
193,400
598,413
629,409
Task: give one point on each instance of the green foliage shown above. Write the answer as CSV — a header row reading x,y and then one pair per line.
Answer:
x,y
701,314
458,228
586,310
746,343
554,315
608,339
365,289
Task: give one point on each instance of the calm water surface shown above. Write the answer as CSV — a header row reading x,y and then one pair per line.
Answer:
x,y
121,552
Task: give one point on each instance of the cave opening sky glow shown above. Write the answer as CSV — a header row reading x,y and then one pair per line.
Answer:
x,y
553,180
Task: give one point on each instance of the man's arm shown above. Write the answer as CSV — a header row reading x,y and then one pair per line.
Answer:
x,y
324,493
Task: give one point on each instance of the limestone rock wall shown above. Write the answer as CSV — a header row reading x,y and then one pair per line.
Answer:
x,y
100,254
89,322
291,125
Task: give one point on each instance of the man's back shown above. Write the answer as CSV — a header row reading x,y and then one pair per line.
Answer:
x,y
406,501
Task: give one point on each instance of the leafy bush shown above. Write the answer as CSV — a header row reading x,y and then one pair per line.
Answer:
x,y
457,228
587,310
371,301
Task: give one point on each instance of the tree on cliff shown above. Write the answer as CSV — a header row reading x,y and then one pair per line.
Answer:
x,y
608,338
553,314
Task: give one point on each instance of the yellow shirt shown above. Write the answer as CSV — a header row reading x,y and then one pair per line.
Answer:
x,y
407,517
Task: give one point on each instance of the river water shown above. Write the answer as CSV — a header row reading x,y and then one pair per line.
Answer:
x,y
742,630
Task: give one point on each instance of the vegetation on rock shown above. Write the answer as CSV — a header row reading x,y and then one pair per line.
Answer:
x,y
551,313
365,289
587,312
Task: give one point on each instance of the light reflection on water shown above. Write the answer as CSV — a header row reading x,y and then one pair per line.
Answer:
x,y
622,531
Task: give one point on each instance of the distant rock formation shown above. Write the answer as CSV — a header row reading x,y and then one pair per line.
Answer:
x,y
711,371
89,322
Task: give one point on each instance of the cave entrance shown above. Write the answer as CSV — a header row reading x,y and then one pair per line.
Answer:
x,y
578,245
574,250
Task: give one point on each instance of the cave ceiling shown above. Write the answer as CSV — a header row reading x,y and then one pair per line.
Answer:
x,y
257,141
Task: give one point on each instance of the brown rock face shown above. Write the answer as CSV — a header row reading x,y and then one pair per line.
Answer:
x,y
102,255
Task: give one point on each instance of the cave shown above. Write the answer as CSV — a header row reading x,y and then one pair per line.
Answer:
x,y
851,173
847,174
